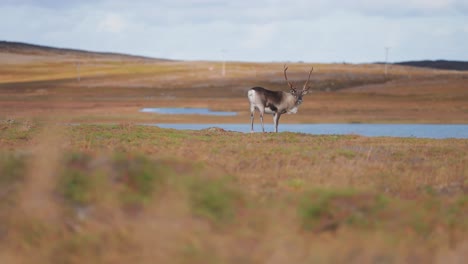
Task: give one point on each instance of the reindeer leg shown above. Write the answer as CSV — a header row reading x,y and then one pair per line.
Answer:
x,y
276,118
252,112
262,111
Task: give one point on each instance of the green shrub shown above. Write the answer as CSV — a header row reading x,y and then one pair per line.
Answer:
x,y
77,182
214,199
140,176
12,168
76,187
12,171
456,212
321,210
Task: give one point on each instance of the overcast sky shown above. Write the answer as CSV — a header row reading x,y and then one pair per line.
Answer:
x,y
255,30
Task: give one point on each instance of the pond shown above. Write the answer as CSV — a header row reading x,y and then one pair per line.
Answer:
x,y
437,131
186,111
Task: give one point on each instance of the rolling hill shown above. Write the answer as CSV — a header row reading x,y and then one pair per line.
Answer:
x,y
437,64
19,48
25,49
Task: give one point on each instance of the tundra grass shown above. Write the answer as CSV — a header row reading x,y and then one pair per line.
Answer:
x,y
125,193
115,90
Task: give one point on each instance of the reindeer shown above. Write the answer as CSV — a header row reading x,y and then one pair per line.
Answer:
x,y
276,102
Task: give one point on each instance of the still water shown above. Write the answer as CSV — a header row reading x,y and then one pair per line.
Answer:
x,y
186,111
438,131
371,130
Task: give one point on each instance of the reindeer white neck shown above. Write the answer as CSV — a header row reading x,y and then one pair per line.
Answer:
x,y
276,102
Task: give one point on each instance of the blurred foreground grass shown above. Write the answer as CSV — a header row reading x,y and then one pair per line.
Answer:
x,y
125,193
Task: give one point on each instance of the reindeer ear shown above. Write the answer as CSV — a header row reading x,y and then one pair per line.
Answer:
x,y
305,92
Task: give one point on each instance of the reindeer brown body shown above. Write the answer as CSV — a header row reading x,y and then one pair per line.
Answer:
x,y
275,102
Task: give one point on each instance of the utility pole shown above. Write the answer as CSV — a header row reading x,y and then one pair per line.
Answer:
x,y
387,49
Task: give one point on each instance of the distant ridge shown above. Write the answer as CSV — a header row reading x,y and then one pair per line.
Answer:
x,y
437,64
33,49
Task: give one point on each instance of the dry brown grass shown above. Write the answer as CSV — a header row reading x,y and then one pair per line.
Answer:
x,y
114,90
126,193
274,198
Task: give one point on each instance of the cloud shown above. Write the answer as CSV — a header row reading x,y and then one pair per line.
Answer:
x,y
113,23
258,36
262,30
251,12
49,4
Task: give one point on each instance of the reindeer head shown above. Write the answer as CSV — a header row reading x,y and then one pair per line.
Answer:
x,y
293,90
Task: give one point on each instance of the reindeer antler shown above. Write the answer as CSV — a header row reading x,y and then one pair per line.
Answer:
x,y
286,77
305,88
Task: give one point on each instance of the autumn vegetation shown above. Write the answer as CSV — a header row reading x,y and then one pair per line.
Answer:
x,y
82,181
